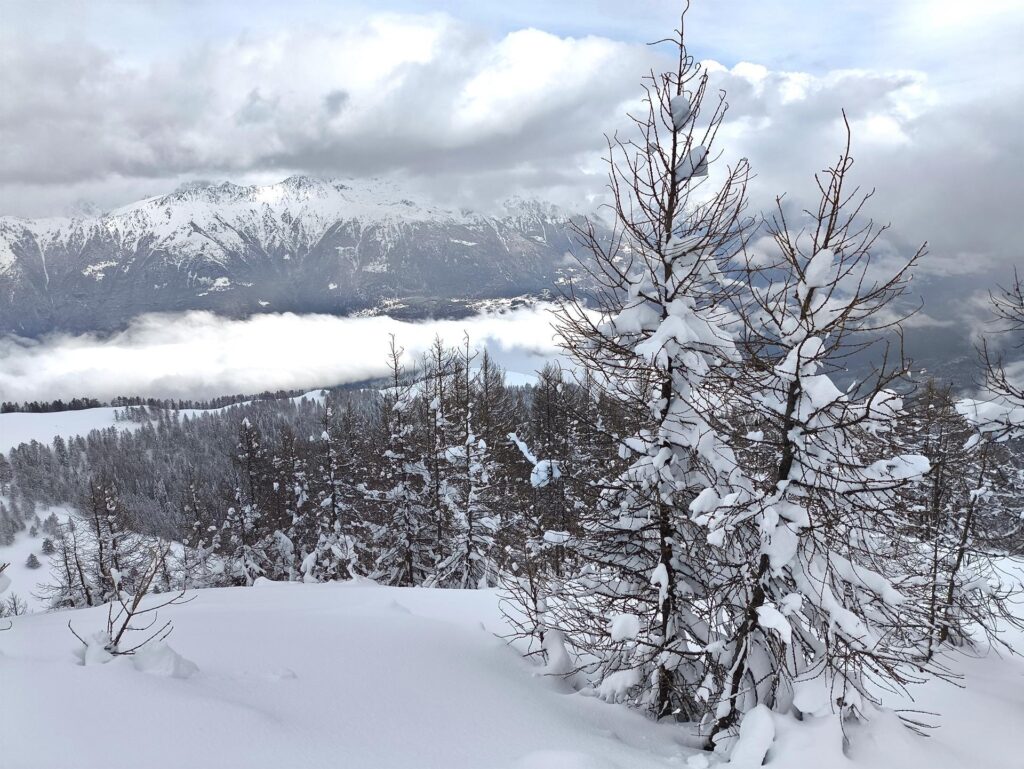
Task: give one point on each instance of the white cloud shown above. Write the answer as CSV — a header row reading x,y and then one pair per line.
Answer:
x,y
198,354
421,95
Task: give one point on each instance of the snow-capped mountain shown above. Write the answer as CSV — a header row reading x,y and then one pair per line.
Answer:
x,y
302,245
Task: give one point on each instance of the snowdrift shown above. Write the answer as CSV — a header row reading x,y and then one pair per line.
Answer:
x,y
355,675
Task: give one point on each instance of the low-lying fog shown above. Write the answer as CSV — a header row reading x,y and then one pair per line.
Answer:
x,y
200,355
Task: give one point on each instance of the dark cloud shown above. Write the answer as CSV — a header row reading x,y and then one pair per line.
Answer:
x,y
335,101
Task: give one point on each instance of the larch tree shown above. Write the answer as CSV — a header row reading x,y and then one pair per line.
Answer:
x,y
652,341
814,587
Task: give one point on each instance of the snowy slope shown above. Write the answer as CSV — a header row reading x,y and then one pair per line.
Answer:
x,y
25,582
18,427
364,677
311,676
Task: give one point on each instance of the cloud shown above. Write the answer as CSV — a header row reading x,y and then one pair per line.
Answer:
x,y
414,95
938,160
472,109
198,354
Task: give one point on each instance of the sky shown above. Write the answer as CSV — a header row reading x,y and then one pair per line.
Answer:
x,y
103,103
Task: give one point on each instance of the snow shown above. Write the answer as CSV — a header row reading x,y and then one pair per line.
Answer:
x,y
625,627
659,579
821,269
545,471
161,660
614,687
17,427
352,674
771,618
681,109
24,581
997,415
693,164
345,675
756,735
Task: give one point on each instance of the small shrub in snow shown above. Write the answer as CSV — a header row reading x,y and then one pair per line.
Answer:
x,y
121,636
13,605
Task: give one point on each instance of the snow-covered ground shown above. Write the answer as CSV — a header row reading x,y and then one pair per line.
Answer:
x,y
25,582
361,676
291,675
18,427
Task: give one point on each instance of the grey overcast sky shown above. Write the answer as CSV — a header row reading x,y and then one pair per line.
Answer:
x,y
108,102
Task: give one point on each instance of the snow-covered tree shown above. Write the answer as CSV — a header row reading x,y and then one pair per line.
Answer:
x,y
199,562
246,547
966,515
405,537
814,586
339,548
632,611
470,559
999,412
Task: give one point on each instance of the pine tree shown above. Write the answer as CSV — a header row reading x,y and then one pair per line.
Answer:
x,y
246,545
405,540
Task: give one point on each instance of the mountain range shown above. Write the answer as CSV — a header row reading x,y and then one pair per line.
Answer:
x,y
302,245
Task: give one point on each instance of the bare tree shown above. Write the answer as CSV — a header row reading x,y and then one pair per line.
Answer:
x,y
4,584
126,608
1001,413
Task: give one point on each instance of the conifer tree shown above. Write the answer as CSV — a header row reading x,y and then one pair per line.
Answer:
x,y
632,609
405,540
246,546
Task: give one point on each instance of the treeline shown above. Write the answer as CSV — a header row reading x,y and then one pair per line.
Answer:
x,y
123,401
42,407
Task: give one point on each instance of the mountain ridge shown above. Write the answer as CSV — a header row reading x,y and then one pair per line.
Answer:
x,y
301,245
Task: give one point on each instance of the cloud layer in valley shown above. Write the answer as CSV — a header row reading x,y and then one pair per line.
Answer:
x,y
197,354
